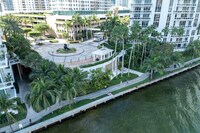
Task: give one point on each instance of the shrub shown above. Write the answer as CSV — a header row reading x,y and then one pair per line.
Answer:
x,y
53,41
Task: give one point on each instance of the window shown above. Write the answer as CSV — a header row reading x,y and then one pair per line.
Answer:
x,y
145,15
144,23
147,8
138,1
193,32
182,23
137,8
147,1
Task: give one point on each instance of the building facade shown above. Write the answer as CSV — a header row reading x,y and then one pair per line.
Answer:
x,y
6,6
80,5
23,6
6,73
169,13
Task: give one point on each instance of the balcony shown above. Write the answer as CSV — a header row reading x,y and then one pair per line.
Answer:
x,y
6,85
11,92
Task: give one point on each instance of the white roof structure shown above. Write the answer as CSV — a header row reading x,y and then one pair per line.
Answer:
x,y
102,51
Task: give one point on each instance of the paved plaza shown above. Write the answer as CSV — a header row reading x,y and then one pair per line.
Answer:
x,y
82,56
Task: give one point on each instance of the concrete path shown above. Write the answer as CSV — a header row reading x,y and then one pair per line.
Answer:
x,y
126,70
37,116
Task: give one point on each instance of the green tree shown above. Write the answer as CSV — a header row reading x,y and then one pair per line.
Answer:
x,y
10,25
5,106
153,65
193,49
76,20
18,44
42,69
26,31
42,27
123,35
43,94
35,34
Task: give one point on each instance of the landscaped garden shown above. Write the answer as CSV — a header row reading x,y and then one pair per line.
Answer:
x,y
63,51
53,83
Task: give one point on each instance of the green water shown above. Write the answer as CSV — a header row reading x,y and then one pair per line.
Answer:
x,y
171,106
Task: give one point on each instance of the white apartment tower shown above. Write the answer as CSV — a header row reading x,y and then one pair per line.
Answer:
x,y
6,73
169,13
80,5
23,6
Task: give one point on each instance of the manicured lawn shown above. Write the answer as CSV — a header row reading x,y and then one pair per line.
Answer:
x,y
124,78
20,116
63,51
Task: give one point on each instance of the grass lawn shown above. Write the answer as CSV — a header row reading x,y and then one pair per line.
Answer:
x,y
63,51
20,116
66,109
124,78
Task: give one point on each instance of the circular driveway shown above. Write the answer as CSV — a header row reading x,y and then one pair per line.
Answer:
x,y
84,51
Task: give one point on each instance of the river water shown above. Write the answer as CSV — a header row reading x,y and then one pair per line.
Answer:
x,y
171,106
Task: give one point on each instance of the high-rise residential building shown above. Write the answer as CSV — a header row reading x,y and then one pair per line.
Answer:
x,y
123,3
169,13
24,6
80,5
6,73
6,6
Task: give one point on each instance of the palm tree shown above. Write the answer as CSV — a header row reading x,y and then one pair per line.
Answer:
x,y
31,20
67,25
86,23
6,105
10,25
76,21
193,49
153,65
43,94
136,32
69,87
123,35
25,21
42,69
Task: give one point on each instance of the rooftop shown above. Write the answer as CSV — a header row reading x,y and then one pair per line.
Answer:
x,y
102,51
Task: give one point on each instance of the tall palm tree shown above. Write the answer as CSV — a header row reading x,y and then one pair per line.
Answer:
x,y
6,105
43,94
42,69
123,35
76,21
86,24
193,48
69,87
153,65
31,20
68,25
25,21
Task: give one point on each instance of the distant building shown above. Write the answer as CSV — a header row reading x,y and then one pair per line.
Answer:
x,y
80,5
6,6
169,13
23,6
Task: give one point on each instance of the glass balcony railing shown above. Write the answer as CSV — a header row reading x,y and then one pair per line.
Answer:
x,y
6,85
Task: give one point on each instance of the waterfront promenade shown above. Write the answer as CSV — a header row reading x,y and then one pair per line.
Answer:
x,y
36,116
